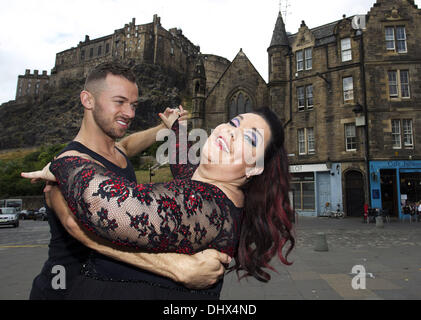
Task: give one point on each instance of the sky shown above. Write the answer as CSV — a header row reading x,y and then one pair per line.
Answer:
x,y
32,32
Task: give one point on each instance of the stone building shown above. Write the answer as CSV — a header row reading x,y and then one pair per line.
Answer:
x,y
239,89
349,94
32,84
148,43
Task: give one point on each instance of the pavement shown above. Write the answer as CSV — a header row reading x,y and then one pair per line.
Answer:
x,y
390,256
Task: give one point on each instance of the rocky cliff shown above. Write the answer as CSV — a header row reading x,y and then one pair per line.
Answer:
x,y
56,117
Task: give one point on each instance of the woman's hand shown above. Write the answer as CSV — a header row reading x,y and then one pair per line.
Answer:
x,y
44,174
171,115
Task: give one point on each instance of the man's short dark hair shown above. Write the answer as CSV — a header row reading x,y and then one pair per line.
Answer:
x,y
101,71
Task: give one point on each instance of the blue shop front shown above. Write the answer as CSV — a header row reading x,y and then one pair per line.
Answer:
x,y
314,185
395,184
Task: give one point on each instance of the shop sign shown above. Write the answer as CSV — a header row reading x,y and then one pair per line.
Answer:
x,y
308,168
403,164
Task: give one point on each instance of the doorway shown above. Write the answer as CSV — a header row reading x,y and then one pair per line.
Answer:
x,y
354,192
389,191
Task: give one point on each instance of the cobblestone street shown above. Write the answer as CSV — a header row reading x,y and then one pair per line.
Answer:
x,y
391,257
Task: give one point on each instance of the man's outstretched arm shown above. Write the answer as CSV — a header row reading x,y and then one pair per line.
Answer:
x,y
140,141
197,271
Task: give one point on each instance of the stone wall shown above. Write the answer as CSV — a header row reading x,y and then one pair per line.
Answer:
x,y
240,76
379,61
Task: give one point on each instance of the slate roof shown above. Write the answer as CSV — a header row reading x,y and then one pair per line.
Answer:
x,y
323,34
279,37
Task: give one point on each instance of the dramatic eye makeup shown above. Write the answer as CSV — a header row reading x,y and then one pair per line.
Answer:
x,y
234,122
250,136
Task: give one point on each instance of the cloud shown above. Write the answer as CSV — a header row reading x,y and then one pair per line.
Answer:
x,y
37,30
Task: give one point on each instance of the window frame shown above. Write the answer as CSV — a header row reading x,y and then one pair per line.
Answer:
x,y
347,50
301,142
397,134
308,60
300,196
301,98
300,62
407,84
401,40
310,141
345,92
306,141
410,134
309,106
304,99
355,137
393,38
403,133
398,84
390,38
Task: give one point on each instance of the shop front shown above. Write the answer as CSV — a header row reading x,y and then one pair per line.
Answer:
x,y
395,184
313,186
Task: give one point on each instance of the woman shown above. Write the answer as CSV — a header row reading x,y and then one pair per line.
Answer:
x,y
227,202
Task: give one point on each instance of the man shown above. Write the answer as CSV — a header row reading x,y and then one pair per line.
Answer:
x,y
109,99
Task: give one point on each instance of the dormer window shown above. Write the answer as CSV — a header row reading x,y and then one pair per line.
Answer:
x,y
309,58
396,39
346,51
300,61
304,59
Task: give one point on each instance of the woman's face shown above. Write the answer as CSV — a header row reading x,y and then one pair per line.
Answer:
x,y
236,149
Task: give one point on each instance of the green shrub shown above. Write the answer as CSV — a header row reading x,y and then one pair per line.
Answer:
x,y
11,182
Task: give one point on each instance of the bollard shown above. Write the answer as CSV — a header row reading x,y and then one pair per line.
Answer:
x,y
321,242
379,222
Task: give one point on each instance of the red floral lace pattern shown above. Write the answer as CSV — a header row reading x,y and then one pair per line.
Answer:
x,y
183,216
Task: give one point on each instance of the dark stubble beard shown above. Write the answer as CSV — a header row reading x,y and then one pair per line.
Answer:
x,y
106,124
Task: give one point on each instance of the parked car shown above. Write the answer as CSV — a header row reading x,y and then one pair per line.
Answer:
x,y
41,215
9,216
27,215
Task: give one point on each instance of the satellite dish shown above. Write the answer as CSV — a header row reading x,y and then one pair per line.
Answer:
x,y
359,22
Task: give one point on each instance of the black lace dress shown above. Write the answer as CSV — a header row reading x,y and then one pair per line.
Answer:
x,y
182,216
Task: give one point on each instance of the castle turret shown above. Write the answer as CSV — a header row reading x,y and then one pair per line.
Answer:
x,y
199,94
32,85
278,51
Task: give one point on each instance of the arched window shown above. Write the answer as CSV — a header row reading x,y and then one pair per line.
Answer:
x,y
240,103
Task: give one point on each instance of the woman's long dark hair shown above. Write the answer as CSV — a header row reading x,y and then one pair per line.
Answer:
x,y
267,222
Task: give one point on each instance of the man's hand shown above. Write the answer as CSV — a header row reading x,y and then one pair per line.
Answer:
x,y
201,270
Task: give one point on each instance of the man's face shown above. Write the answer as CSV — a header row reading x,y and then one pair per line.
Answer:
x,y
115,104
